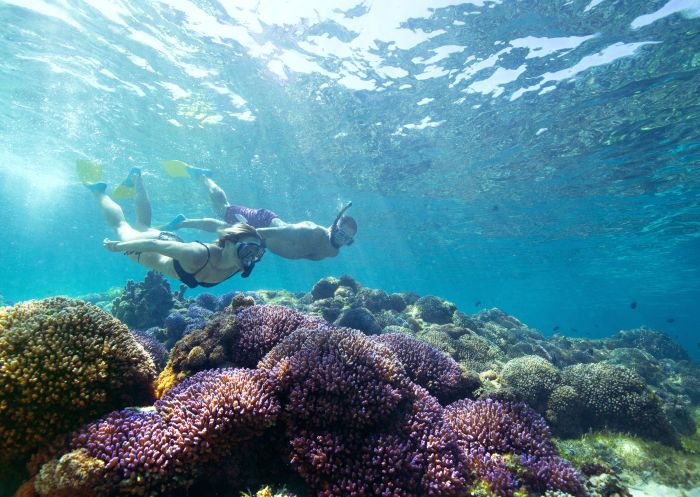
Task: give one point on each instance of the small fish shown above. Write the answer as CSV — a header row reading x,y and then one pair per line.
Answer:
x,y
633,305
477,303
698,344
587,333
596,325
574,330
494,207
555,328
671,320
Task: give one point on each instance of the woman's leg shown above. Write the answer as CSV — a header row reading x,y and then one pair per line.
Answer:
x,y
114,215
142,203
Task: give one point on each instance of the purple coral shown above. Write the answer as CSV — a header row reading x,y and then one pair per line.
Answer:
x,y
337,376
357,426
261,327
412,454
150,343
494,435
207,300
429,368
195,425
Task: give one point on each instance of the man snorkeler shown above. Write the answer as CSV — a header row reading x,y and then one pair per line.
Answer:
x,y
304,240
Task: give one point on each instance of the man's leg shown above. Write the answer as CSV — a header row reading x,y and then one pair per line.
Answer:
x,y
217,196
203,224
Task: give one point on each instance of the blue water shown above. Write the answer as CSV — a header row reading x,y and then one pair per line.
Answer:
x,y
540,157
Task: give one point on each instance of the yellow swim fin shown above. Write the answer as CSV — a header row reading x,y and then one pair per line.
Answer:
x,y
89,171
177,168
123,191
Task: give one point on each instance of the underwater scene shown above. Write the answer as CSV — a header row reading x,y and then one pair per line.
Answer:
x,y
350,248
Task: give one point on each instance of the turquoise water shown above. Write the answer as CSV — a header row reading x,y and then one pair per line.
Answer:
x,y
539,157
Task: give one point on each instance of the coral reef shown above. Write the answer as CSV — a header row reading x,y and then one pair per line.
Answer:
x,y
356,424
63,362
361,415
144,305
657,344
340,406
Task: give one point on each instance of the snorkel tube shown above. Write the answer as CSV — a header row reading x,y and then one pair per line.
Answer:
x,y
334,226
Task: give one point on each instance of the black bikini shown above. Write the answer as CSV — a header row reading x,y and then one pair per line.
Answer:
x,y
189,278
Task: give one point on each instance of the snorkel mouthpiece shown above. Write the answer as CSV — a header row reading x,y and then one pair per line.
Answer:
x,y
247,269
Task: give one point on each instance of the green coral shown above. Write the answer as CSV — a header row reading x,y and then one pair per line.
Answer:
x,y
534,377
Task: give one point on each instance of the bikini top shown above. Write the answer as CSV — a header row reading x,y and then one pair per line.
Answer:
x,y
189,278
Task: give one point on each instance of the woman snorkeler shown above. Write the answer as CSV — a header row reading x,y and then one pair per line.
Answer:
x,y
238,248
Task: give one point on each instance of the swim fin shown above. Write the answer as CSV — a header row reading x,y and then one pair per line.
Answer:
x,y
89,171
176,168
179,169
123,191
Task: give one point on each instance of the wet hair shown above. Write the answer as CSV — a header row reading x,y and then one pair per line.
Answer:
x,y
348,221
236,233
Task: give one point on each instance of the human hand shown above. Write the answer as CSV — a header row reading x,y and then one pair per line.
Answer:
x,y
111,245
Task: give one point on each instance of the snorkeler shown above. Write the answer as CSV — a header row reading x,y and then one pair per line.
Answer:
x,y
238,247
304,240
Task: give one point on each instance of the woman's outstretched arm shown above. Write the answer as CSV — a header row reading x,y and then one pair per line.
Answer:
x,y
189,254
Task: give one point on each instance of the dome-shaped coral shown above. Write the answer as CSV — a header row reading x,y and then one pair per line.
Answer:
x,y
617,398
63,362
532,376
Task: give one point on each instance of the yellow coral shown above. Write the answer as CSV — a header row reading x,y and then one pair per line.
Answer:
x,y
63,362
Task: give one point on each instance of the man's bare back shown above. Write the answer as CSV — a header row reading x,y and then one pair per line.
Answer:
x,y
304,240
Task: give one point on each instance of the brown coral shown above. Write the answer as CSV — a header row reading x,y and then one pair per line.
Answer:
x,y
62,363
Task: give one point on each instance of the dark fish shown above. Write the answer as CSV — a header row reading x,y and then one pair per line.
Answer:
x,y
587,333
671,320
698,344
477,303
555,328
596,325
633,305
574,330
494,207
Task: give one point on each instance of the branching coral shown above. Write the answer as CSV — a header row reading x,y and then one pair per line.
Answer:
x,y
357,426
508,447
430,368
196,425
63,362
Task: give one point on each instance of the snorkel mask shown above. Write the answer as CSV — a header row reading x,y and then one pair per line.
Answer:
x,y
339,236
249,254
